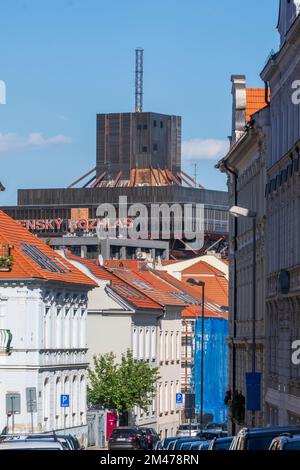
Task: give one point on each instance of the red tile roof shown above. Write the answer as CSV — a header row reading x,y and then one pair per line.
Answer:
x,y
212,308
130,294
255,100
150,289
201,267
29,253
216,288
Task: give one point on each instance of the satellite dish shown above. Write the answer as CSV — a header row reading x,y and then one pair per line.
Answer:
x,y
100,260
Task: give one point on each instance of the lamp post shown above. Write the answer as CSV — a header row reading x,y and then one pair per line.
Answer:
x,y
237,211
201,284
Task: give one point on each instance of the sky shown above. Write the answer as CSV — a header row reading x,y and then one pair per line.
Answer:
x,y
63,61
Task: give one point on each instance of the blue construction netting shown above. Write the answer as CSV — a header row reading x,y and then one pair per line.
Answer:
x,y
215,367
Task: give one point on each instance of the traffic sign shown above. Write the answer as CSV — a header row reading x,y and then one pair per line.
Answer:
x,y
179,398
65,401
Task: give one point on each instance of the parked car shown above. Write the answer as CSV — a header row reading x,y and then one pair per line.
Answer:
x,y
151,436
31,444
167,442
195,445
68,441
158,445
212,425
260,438
129,438
204,445
212,434
188,430
222,443
286,442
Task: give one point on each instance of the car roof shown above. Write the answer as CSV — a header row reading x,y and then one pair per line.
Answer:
x,y
30,444
269,430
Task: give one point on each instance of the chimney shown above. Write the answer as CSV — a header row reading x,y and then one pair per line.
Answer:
x,y
238,106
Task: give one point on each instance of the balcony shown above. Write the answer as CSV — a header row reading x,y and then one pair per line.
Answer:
x,y
5,341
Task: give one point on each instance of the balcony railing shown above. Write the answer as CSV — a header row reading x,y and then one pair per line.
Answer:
x,y
5,341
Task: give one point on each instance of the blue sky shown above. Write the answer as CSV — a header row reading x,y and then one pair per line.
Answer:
x,y
65,60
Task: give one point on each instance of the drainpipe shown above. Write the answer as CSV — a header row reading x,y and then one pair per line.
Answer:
x,y
267,101
234,299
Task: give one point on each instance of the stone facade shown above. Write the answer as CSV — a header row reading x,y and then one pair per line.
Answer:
x,y
282,229
245,165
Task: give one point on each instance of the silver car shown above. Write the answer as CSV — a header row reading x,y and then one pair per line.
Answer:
x,y
186,430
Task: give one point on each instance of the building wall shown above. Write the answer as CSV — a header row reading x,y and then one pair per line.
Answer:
x,y
48,352
169,362
282,230
137,140
248,160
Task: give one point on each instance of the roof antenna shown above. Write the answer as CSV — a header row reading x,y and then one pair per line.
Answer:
x,y
139,71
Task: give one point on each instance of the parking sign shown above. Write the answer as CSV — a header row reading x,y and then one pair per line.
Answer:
x,y
179,398
65,401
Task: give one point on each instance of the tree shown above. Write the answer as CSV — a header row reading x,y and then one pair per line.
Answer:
x,y
121,386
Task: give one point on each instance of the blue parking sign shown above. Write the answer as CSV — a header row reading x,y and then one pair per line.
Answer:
x,y
65,401
179,398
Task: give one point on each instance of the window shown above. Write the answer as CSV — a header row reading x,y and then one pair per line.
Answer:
x,y
154,123
134,343
166,407
42,260
67,328
178,346
172,347
74,327
145,127
167,346
58,328
172,397
155,147
66,411
46,403
161,124
47,327
58,409
82,342
147,343
161,346
144,149
74,402
141,343
82,399
160,403
153,344
139,127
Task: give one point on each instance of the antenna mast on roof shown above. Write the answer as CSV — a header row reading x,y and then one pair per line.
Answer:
x,y
139,71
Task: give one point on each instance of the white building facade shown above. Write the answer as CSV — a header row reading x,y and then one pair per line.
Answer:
x,y
47,353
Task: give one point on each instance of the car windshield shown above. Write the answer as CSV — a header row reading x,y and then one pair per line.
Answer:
x,y
186,427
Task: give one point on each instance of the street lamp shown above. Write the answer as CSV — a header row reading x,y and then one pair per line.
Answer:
x,y
237,211
201,284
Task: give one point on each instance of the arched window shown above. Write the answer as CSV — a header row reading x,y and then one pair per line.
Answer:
x,y
46,403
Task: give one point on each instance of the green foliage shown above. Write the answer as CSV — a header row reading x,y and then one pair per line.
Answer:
x,y
121,386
